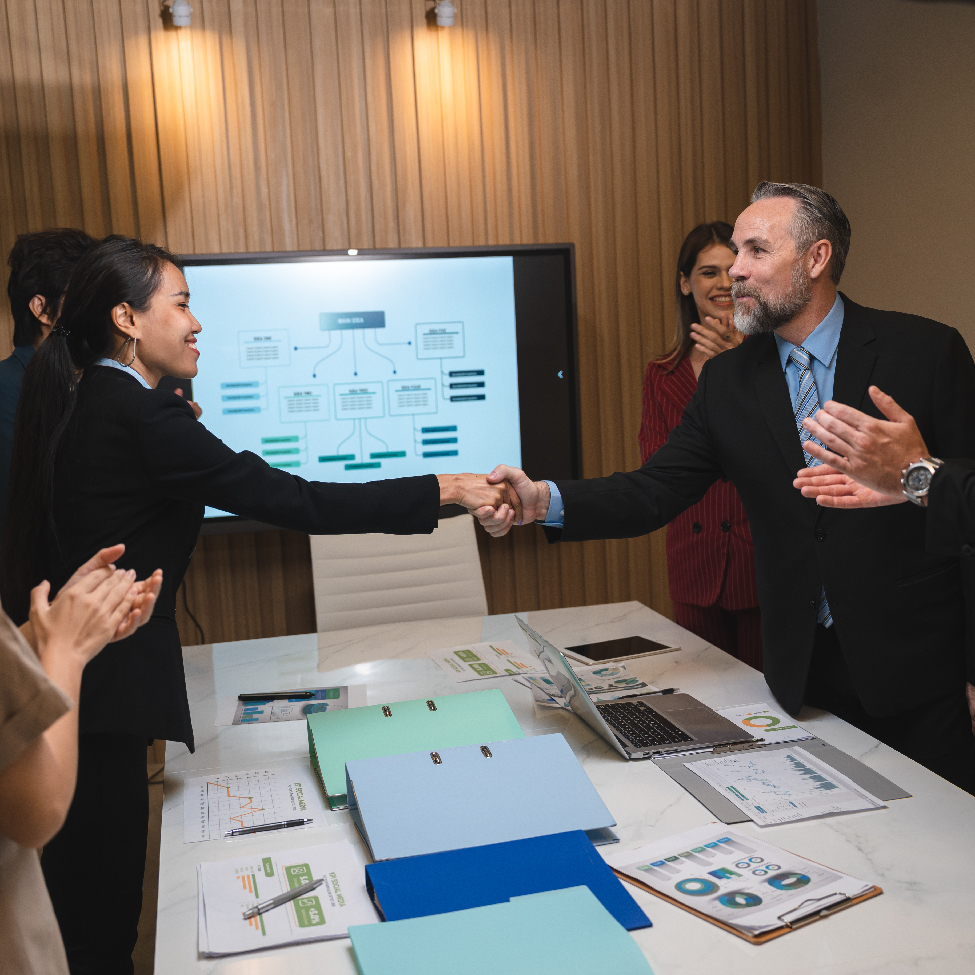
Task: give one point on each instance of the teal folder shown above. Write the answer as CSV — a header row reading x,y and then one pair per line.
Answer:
x,y
565,931
336,737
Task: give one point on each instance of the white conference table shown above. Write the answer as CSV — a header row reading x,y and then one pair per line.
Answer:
x,y
921,851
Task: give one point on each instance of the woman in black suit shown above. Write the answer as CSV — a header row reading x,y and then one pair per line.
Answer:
x,y
111,458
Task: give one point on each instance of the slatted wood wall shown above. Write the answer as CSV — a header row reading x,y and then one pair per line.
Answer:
x,y
305,124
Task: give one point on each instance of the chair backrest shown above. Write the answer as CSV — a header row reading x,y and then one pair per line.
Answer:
x,y
365,579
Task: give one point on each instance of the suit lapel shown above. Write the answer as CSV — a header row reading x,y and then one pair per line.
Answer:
x,y
773,395
855,359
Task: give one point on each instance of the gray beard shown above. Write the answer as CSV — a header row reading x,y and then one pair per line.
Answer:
x,y
769,314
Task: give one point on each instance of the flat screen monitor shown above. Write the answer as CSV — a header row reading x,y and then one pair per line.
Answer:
x,y
355,366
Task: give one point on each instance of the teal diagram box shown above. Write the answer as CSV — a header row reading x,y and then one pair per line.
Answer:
x,y
261,347
330,321
409,396
439,340
358,401
301,404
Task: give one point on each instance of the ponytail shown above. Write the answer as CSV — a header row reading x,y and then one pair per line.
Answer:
x,y
115,271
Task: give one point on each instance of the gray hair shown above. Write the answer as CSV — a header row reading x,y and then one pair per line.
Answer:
x,y
817,217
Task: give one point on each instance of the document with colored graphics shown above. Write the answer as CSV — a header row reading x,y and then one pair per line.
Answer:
x,y
766,723
476,661
749,887
227,888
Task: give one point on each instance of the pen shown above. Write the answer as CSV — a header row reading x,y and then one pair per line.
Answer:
x,y
666,690
284,824
282,899
276,696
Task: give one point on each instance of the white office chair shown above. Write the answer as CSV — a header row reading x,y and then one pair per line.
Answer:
x,y
365,579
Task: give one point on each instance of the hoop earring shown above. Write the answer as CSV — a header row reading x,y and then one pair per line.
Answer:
x,y
118,358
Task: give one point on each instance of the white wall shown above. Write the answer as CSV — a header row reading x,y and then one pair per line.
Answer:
x,y
898,117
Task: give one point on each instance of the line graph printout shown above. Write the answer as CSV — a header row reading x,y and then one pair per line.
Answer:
x,y
215,804
783,786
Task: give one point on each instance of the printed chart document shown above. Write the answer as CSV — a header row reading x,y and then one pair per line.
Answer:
x,y
227,888
783,786
231,711
765,723
215,804
603,682
475,661
738,881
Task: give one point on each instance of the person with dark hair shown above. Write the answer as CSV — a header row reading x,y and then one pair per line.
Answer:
x,y
858,618
710,557
40,267
112,457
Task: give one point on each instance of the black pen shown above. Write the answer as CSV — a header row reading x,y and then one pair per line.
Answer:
x,y
276,696
666,690
285,824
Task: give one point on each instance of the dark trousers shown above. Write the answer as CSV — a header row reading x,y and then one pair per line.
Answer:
x,y
95,865
936,735
736,631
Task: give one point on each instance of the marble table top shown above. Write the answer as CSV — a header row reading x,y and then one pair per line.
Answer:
x,y
921,851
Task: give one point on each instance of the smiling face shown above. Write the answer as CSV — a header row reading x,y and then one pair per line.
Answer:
x,y
166,331
709,283
771,283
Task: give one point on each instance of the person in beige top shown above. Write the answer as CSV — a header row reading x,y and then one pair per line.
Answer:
x,y
41,663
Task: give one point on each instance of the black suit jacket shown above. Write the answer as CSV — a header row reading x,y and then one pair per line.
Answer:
x,y
951,511
135,466
899,611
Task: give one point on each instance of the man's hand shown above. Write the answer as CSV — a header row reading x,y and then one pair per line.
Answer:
x,y
146,592
476,491
195,407
872,452
831,489
716,335
530,502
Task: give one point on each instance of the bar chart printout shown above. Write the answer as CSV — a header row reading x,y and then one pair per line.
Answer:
x,y
215,804
783,786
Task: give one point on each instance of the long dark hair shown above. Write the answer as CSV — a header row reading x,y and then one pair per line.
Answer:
x,y
700,238
116,270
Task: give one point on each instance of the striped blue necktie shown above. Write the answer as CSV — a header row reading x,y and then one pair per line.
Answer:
x,y
807,404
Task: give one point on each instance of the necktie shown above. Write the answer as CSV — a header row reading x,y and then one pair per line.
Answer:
x,y
807,404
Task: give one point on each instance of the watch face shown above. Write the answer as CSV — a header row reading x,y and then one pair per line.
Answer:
x,y
918,479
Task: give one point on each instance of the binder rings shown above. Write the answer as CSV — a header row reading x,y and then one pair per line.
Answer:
x,y
335,737
567,931
477,876
451,798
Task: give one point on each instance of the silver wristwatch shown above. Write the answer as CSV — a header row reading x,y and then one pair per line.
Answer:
x,y
916,478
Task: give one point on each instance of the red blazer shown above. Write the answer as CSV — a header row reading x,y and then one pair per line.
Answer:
x,y
710,558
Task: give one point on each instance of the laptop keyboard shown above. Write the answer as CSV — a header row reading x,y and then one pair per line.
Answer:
x,y
641,725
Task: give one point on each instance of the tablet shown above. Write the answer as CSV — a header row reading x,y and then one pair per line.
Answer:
x,y
613,651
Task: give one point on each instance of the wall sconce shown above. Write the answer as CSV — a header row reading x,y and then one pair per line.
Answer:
x,y
444,10
180,10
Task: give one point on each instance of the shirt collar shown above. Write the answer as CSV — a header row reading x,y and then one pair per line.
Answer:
x,y
112,364
821,343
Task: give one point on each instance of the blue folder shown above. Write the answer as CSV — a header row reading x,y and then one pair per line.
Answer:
x,y
564,931
426,802
474,877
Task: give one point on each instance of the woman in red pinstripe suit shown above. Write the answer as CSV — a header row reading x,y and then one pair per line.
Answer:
x,y
710,559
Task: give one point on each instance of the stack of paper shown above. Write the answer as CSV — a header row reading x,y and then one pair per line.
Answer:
x,y
603,682
737,881
477,876
567,931
477,661
783,786
229,887
765,723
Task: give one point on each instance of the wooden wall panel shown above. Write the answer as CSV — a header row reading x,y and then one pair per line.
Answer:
x,y
282,124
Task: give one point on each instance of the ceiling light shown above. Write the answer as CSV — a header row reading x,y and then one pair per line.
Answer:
x,y
181,11
445,12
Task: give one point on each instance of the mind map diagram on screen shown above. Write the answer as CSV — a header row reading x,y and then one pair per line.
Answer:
x,y
358,370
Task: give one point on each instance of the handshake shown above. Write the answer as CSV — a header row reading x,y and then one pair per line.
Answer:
x,y
498,500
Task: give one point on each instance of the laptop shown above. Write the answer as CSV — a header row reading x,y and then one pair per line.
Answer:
x,y
644,725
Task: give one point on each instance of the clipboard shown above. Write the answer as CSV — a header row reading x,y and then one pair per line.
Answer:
x,y
814,913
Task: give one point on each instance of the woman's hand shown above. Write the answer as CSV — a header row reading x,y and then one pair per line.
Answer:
x,y
716,335
83,617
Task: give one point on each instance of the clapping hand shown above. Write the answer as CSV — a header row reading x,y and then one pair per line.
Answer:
x,y
833,489
716,335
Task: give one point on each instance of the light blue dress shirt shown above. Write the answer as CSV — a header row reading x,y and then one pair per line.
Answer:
x,y
821,344
113,364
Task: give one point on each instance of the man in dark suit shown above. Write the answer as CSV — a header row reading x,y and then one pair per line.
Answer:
x,y
857,617
40,266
